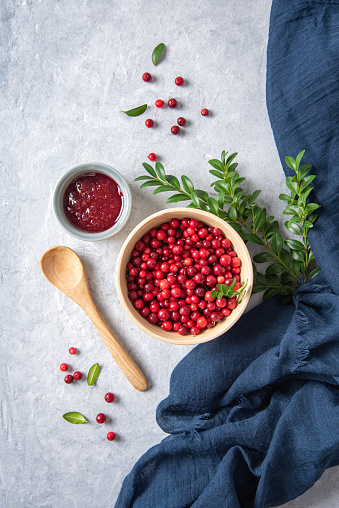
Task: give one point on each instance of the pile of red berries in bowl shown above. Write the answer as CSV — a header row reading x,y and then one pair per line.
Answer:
x,y
172,273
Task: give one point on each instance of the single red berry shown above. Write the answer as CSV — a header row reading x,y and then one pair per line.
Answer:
x,y
172,103
72,350
146,76
179,81
77,375
152,157
111,436
159,103
109,397
101,418
175,129
204,112
63,367
149,122
181,121
68,379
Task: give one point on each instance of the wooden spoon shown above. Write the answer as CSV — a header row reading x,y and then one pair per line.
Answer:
x,y
63,268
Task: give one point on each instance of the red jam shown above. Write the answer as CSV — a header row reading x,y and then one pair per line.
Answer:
x,y
93,202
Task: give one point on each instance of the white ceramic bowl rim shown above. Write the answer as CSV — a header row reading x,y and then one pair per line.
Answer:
x,y
73,173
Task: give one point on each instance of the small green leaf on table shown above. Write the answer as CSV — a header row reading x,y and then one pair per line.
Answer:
x,y
136,111
93,374
157,52
74,417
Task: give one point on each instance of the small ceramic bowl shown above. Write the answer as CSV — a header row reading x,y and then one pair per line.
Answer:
x,y
156,220
71,175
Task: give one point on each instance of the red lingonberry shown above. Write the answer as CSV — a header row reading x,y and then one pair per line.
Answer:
x,y
63,367
68,379
204,112
181,121
77,375
72,350
111,436
109,397
175,129
172,103
179,81
151,156
149,122
146,76
159,103
101,418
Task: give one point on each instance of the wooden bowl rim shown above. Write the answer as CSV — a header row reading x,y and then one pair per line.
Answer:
x,y
155,331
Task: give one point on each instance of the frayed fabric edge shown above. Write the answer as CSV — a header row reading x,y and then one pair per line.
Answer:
x,y
303,349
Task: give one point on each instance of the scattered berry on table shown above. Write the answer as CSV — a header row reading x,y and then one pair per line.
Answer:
x,y
175,129
111,436
152,156
77,375
204,112
72,350
159,103
181,121
109,397
68,379
172,103
146,76
101,418
63,367
149,122
179,81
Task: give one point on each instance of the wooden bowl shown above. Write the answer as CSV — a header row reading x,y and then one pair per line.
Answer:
x,y
156,220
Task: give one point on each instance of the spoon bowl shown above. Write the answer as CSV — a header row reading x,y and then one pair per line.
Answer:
x,y
63,268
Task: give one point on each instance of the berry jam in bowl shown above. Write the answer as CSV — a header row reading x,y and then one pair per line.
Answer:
x,y
171,270
92,201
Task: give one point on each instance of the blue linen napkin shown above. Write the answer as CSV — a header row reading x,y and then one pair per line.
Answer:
x,y
254,414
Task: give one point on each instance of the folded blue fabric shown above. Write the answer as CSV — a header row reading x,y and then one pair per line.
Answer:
x,y
254,414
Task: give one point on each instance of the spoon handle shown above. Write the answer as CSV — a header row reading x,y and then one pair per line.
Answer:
x,y
128,367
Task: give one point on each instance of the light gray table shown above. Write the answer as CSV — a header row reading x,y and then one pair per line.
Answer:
x,y
67,70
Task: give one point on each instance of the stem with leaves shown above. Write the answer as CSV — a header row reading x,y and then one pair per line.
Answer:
x,y
290,259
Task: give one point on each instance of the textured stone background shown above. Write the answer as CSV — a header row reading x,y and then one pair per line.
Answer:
x,y
67,68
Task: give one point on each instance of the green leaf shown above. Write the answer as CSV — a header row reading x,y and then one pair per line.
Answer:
x,y
187,184
275,268
291,163
311,207
93,374
136,111
270,293
277,242
258,288
149,169
250,237
216,165
223,156
297,255
294,228
214,293
295,265
294,244
284,197
221,199
263,257
255,195
273,279
177,197
230,159
195,199
307,224
314,272
159,169
201,194
232,213
260,220
306,168
142,177
306,181
162,188
150,183
157,52
286,278
216,173
213,204
74,417
172,180
298,158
